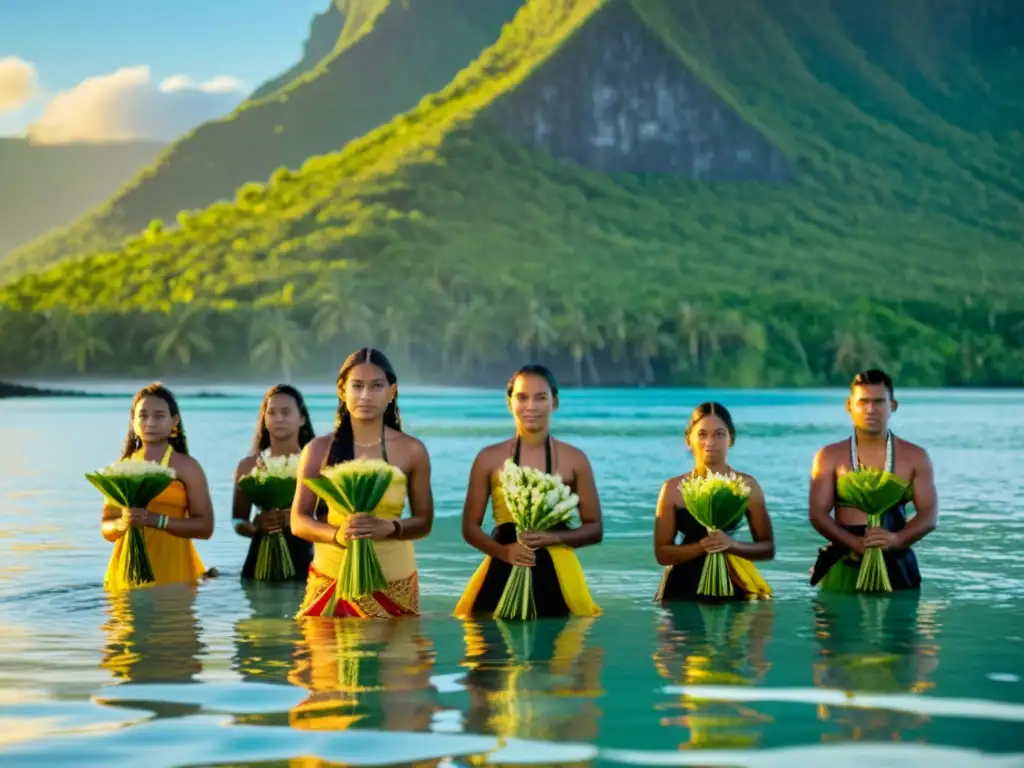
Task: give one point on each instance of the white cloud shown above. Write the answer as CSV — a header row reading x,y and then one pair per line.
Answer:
x,y
126,104
17,83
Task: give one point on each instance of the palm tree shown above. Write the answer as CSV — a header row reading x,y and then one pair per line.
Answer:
x,y
582,338
277,340
535,332
76,339
471,334
184,336
341,309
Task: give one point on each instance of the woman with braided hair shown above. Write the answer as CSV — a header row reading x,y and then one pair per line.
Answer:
x,y
368,425
182,512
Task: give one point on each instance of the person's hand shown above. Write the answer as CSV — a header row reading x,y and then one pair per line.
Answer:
x,y
271,521
538,539
881,538
516,554
134,518
718,541
362,526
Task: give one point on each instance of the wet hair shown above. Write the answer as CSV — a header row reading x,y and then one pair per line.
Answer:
x,y
262,439
534,370
177,440
343,446
873,376
712,409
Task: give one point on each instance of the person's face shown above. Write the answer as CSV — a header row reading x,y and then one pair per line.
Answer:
x,y
709,440
152,420
532,402
283,417
367,392
870,408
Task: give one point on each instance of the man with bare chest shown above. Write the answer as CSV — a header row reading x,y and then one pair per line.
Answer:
x,y
871,404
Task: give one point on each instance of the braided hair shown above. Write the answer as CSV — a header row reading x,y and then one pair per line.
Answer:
x,y
261,441
177,440
343,446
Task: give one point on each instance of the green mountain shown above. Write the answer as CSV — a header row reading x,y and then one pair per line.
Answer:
x,y
638,190
50,185
385,56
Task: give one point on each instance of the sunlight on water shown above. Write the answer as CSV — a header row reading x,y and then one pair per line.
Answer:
x,y
223,675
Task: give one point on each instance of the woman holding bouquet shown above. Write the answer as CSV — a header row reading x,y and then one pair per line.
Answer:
x,y
283,429
709,435
182,512
368,427
559,587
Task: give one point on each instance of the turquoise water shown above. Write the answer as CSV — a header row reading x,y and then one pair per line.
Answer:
x,y
223,676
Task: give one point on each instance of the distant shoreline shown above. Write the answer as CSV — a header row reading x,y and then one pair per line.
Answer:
x,y
11,390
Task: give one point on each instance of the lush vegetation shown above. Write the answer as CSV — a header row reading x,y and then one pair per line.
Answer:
x,y
388,55
46,186
462,252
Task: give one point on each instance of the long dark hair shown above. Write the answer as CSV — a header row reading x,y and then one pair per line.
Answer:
x,y
262,439
712,409
177,440
343,446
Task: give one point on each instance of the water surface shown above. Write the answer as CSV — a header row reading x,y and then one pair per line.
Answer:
x,y
223,676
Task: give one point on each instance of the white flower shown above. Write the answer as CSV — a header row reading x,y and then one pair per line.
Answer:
x,y
136,468
276,466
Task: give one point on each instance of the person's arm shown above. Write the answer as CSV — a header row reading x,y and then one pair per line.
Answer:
x,y
473,510
199,523
665,551
113,523
241,507
926,516
591,529
823,500
421,498
302,523
763,546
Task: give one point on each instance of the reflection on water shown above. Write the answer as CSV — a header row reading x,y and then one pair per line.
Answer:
x,y
267,638
873,644
721,644
370,674
152,636
533,680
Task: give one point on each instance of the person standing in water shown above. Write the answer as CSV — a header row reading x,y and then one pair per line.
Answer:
x,y
871,404
558,583
182,512
709,435
368,425
283,429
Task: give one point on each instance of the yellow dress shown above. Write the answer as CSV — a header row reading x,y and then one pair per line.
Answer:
x,y
397,560
559,586
174,559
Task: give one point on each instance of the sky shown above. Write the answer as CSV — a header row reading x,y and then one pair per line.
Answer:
x,y
108,70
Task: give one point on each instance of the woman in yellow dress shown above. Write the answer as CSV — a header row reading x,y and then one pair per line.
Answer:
x,y
368,425
559,586
181,513
709,435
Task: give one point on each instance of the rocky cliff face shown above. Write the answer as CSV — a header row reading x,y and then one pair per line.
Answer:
x,y
614,99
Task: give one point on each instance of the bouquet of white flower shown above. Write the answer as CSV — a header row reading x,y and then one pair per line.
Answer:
x,y
133,483
716,501
271,485
350,488
537,502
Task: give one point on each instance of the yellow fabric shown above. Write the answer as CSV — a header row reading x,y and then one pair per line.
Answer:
x,y
397,557
746,576
567,568
464,609
174,559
